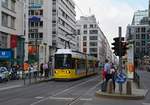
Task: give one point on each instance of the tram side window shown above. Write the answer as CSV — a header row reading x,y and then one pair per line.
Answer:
x,y
81,64
73,63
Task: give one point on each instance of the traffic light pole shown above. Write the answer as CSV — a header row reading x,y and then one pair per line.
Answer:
x,y
120,58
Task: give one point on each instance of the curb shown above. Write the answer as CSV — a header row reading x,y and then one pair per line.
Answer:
x,y
121,96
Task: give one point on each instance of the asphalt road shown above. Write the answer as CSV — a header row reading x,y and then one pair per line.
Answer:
x,y
79,92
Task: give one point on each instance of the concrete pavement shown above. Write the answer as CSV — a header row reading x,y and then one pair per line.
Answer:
x,y
20,83
137,93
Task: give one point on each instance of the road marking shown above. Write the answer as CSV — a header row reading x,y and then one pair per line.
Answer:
x,y
10,87
39,97
86,99
44,99
146,103
61,98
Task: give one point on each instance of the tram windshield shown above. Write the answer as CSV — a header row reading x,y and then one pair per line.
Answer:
x,y
63,61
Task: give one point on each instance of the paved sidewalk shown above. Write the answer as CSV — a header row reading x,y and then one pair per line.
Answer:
x,y
137,93
20,83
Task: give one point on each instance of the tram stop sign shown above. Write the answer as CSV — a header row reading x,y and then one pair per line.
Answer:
x,y
121,78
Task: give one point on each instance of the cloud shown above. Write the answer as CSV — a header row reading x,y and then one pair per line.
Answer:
x,y
109,14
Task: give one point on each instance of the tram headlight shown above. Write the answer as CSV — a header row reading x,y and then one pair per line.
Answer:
x,y
55,72
67,72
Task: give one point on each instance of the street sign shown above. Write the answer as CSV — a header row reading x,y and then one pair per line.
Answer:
x,y
5,54
121,78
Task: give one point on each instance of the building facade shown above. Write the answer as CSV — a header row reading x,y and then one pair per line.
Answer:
x,y
139,16
63,24
12,28
139,33
91,40
40,30
51,26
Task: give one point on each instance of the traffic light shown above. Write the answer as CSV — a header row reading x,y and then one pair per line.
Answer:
x,y
124,48
116,45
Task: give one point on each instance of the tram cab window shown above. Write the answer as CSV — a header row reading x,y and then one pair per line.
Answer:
x,y
63,61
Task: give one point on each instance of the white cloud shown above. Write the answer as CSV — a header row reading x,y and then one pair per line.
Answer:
x,y
109,14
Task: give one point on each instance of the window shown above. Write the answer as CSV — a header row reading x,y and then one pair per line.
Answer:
x,y
93,31
5,3
85,32
143,36
143,43
13,5
137,43
93,49
78,32
32,12
41,23
85,26
148,36
137,29
93,43
41,35
84,44
137,49
93,37
41,12
91,25
143,29
84,50
4,19
3,40
143,50
137,36
12,22
84,38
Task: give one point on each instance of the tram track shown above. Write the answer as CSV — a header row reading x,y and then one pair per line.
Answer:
x,y
70,97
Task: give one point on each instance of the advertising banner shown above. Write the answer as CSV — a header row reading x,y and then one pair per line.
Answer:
x,y
13,41
130,62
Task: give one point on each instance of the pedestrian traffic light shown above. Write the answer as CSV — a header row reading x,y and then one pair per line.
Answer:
x,y
116,45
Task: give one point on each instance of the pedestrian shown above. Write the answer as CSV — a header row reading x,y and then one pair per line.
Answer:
x,y
45,67
103,74
109,72
41,69
113,75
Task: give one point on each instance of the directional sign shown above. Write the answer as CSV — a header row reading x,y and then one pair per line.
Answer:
x,y
5,54
121,78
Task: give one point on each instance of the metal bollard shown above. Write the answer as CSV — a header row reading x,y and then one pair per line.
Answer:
x,y
128,88
110,87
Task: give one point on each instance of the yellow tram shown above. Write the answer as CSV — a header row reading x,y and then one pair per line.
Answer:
x,y
73,65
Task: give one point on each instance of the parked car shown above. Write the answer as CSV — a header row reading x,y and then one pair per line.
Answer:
x,y
4,74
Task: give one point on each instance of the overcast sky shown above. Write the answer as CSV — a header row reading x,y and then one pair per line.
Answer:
x,y
110,13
